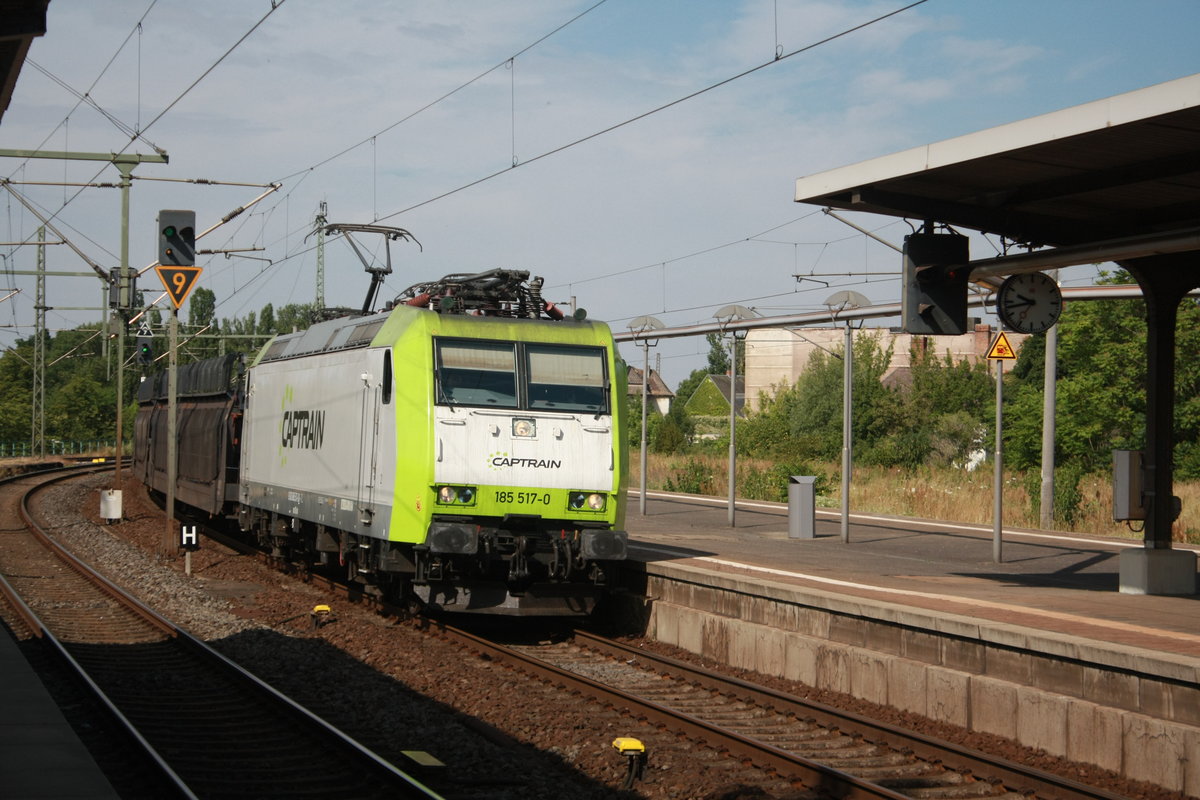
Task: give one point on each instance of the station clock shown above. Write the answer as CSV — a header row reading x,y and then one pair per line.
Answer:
x,y
1029,302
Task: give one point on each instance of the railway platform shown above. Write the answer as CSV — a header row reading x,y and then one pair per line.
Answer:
x,y
1040,647
41,756
1057,582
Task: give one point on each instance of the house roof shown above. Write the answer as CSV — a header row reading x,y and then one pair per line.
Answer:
x,y
722,384
657,387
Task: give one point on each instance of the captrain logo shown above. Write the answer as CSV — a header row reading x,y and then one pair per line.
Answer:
x,y
502,460
302,429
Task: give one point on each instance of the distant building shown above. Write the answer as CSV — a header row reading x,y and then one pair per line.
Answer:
x,y
711,398
659,395
777,356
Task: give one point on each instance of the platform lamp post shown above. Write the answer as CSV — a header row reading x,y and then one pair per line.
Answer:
x,y
640,327
724,317
843,301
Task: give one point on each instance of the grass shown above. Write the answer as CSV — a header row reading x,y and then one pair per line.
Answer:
x,y
953,495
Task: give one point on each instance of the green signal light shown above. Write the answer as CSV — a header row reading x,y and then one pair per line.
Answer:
x,y
169,231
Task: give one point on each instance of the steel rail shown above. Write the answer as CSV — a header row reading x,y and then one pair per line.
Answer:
x,y
414,787
814,775
1017,777
58,649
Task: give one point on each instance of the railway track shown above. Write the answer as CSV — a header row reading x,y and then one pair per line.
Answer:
x,y
780,748
213,729
830,751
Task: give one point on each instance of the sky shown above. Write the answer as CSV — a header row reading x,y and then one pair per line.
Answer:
x,y
640,156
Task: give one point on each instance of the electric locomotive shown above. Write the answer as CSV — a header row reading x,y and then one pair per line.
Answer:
x,y
463,448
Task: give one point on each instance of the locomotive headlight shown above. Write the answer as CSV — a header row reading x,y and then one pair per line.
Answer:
x,y
524,428
456,495
587,501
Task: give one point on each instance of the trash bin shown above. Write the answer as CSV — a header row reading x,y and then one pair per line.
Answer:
x,y
802,507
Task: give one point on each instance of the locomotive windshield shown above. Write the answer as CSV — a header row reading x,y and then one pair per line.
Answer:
x,y
565,378
477,374
521,375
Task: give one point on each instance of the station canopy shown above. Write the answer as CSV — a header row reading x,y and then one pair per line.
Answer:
x,y
1113,180
20,22
1126,166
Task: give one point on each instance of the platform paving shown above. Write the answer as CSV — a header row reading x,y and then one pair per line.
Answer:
x,y
41,757
1053,581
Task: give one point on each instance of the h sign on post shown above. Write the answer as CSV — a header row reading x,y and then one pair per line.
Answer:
x,y
189,539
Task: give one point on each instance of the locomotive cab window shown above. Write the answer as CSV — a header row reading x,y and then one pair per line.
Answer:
x,y
566,378
477,374
522,375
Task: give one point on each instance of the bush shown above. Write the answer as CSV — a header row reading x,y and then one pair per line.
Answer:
x,y
669,436
1068,497
907,448
771,484
953,437
695,477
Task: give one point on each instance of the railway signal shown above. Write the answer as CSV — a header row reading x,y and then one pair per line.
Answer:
x,y
176,238
933,297
145,350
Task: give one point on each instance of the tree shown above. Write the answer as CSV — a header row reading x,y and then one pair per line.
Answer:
x,y
16,392
295,317
266,320
202,307
1101,398
688,386
718,354
948,408
80,410
819,398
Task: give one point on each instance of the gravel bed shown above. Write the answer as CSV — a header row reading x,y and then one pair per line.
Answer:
x,y
389,684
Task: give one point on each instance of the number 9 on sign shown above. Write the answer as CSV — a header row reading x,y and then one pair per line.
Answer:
x,y
178,281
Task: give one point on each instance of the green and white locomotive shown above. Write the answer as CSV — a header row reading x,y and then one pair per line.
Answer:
x,y
463,448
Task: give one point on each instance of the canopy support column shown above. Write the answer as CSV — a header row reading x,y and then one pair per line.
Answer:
x,y
1157,568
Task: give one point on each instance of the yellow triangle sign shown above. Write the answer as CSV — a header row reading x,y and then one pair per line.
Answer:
x,y
178,281
1001,348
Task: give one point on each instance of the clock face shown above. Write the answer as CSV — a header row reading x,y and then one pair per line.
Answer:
x,y
1029,302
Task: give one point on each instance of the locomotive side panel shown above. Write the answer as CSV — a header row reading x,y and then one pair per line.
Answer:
x,y
318,440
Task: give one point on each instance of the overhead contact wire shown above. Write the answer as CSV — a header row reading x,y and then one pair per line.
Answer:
x,y
448,94
656,110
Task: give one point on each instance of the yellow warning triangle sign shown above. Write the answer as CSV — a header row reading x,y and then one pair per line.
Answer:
x,y
178,281
1001,348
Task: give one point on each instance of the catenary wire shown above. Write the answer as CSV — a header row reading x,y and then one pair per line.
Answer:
x,y
447,95
86,96
651,112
